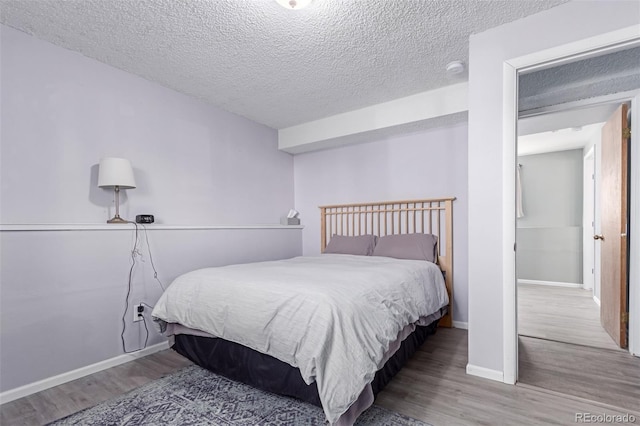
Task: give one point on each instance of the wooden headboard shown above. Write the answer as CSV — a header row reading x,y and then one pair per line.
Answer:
x,y
430,216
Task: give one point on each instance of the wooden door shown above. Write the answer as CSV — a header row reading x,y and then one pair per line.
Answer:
x,y
613,237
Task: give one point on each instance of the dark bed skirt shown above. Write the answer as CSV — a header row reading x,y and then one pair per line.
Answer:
x,y
265,372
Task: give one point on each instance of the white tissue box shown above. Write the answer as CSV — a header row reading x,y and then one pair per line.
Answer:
x,y
289,221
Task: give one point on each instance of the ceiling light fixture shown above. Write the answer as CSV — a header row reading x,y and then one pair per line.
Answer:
x,y
455,67
294,4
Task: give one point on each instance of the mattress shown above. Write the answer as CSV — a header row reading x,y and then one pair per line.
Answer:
x,y
333,317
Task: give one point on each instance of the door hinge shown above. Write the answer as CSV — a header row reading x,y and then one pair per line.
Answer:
x,y
626,133
624,317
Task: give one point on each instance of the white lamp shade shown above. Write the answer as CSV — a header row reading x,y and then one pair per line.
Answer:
x,y
116,172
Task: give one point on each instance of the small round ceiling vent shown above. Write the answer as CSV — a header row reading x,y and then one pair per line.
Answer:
x,y
455,67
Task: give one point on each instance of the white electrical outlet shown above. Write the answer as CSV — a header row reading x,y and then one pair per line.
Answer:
x,y
137,317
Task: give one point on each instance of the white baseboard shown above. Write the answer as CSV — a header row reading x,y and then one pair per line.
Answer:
x,y
460,324
485,373
31,388
553,283
595,299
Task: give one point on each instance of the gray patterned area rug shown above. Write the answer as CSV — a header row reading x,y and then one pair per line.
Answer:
x,y
195,396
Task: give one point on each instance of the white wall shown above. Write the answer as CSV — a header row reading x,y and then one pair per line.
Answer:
x,y
489,50
63,292
549,236
427,164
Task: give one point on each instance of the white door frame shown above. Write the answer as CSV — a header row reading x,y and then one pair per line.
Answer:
x,y
608,42
589,229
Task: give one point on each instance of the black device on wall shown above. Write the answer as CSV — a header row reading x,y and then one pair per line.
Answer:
x,y
144,218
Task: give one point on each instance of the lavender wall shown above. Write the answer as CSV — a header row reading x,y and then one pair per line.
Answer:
x,y
428,164
194,163
63,292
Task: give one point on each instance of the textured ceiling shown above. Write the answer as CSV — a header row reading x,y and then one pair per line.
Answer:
x,y
275,66
588,78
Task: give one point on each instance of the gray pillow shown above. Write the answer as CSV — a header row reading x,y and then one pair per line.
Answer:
x,y
408,246
360,245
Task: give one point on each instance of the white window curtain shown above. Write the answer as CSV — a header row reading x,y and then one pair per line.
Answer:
x,y
519,210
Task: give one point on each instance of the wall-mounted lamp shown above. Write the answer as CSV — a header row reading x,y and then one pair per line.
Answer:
x,y
294,4
116,173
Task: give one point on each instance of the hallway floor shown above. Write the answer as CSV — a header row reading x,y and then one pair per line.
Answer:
x,y
562,314
595,374
564,349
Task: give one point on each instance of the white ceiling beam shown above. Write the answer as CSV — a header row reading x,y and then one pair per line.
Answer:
x,y
340,129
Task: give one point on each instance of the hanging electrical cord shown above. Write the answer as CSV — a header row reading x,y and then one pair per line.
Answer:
x,y
146,329
135,253
155,272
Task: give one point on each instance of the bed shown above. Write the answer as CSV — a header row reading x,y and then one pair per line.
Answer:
x,y
332,329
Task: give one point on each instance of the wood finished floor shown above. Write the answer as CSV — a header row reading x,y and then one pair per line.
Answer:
x,y
562,314
432,387
60,401
563,348
609,376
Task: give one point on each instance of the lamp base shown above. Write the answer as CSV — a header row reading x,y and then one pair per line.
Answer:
x,y
117,219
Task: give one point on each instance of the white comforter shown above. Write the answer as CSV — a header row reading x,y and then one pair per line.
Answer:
x,y
331,316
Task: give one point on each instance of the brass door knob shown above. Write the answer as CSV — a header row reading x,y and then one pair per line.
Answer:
x,y
598,237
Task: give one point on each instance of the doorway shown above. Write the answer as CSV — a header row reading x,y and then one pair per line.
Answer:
x,y
511,69
562,255
558,259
